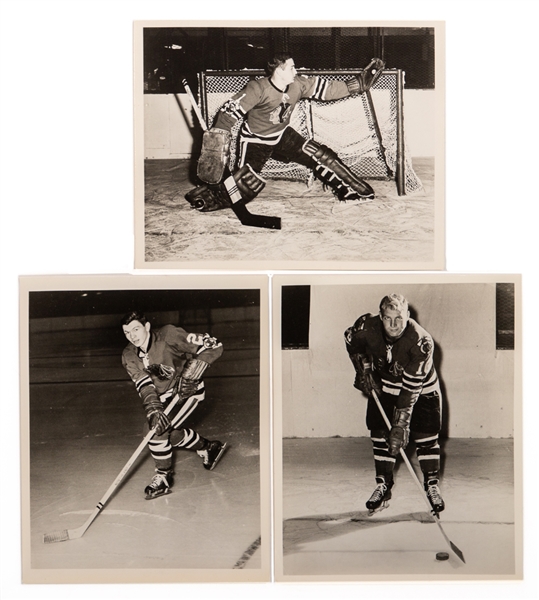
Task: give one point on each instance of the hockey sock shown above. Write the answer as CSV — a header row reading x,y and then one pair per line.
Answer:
x,y
384,463
161,451
428,452
187,439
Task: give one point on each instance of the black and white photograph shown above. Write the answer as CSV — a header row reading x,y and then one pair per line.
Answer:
x,y
398,430
290,145
145,429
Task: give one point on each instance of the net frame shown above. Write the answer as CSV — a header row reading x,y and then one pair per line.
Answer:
x,y
369,127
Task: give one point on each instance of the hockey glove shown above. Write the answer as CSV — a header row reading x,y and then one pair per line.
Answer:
x,y
400,431
191,375
365,380
158,420
367,78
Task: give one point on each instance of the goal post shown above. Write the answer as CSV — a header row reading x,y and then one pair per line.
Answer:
x,y
366,130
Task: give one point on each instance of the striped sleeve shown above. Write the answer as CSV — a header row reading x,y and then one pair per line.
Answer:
x,y
316,88
419,376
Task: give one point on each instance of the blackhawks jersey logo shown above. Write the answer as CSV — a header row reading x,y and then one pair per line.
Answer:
x,y
282,112
425,345
161,372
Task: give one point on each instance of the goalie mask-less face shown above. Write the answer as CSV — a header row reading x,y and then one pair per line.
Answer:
x,y
137,333
285,74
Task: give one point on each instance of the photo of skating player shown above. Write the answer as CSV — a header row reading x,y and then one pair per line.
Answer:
x,y
397,448
289,146
135,458
166,366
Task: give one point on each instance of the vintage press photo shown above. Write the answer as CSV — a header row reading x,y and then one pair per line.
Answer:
x,y
325,146
441,355
145,429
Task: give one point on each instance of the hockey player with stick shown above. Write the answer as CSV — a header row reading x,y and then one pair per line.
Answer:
x,y
265,105
393,355
163,364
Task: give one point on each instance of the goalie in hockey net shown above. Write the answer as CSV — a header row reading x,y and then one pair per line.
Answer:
x,y
393,355
265,106
166,366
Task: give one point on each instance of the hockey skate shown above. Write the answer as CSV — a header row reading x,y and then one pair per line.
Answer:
x,y
379,498
434,496
159,485
212,454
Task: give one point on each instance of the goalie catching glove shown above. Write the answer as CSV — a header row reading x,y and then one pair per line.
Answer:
x,y
367,78
214,155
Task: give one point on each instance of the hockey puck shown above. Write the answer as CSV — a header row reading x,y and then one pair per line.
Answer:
x,y
442,556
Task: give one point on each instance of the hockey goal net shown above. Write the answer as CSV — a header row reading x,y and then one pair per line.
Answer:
x,y
366,131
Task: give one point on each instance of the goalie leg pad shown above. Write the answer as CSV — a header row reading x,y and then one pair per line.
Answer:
x,y
330,169
214,156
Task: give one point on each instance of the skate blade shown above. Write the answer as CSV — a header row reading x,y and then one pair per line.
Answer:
x,y
383,506
219,456
154,496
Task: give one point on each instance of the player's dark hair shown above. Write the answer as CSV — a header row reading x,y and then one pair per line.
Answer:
x,y
134,315
395,301
278,59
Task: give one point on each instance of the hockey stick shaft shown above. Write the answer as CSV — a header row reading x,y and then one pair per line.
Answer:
x,y
240,210
407,462
79,532
195,106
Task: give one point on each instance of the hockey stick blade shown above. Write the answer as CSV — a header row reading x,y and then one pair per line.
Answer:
x,y
63,536
247,218
72,534
457,551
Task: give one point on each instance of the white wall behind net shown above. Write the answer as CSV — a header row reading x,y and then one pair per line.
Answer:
x,y
320,401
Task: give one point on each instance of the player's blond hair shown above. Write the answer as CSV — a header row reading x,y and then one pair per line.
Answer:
x,y
394,301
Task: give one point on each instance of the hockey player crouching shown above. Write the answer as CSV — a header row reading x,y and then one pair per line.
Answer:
x,y
166,364
265,106
393,355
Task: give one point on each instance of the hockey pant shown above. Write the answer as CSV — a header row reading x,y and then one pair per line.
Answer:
x,y
178,437
293,147
424,431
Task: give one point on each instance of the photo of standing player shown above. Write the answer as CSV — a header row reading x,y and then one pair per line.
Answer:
x,y
425,388
394,357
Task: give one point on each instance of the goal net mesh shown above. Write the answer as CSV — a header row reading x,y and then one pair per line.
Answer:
x,y
362,130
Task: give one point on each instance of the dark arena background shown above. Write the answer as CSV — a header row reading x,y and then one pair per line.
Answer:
x,y
86,419
396,229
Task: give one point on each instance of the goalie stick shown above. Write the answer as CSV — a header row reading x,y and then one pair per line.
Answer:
x,y
72,534
435,516
239,208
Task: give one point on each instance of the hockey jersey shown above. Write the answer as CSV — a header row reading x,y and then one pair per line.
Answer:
x,y
156,371
405,366
266,110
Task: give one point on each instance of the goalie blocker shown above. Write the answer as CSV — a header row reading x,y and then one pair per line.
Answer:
x,y
234,192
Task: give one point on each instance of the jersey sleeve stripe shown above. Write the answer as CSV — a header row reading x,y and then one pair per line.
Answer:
x,y
320,89
143,383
